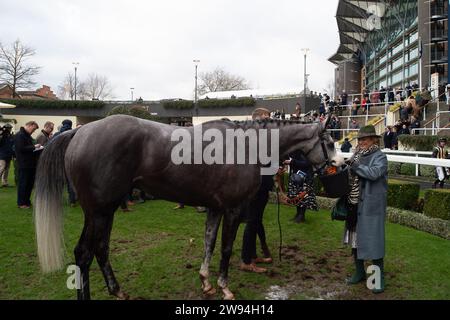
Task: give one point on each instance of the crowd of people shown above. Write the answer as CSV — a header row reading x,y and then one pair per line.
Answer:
x,y
24,151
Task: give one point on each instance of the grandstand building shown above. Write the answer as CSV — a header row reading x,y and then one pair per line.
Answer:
x,y
391,44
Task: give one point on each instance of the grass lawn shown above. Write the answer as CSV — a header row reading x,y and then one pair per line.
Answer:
x,y
156,253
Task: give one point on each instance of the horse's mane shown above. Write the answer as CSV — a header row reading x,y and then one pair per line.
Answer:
x,y
264,123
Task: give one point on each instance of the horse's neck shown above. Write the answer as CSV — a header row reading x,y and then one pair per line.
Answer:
x,y
295,136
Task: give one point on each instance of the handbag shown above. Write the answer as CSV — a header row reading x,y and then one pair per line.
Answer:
x,y
340,210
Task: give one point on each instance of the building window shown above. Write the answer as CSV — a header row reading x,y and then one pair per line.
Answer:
x,y
413,37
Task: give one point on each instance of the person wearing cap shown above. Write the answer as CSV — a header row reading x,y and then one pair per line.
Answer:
x,y
439,152
6,152
367,203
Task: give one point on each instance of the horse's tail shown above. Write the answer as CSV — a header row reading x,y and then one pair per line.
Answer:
x,y
50,181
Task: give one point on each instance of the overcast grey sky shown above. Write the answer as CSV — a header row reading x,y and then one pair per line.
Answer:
x,y
150,45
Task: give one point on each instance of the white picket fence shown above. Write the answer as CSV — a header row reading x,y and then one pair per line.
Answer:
x,y
418,158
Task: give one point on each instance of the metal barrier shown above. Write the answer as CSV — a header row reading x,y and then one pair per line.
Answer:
x,y
412,160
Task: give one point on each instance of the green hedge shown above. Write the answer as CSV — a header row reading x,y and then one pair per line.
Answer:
x,y
419,221
403,195
437,227
437,204
138,112
180,104
409,169
418,143
226,103
54,104
210,103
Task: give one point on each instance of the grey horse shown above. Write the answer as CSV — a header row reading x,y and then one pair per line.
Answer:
x,y
104,159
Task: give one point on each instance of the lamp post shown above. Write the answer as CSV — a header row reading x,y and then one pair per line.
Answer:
x,y
131,94
76,67
305,76
196,62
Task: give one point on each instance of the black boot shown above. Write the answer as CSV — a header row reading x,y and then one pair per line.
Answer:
x,y
360,274
300,217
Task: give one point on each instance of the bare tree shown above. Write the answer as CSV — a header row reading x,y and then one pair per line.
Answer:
x,y
96,87
220,80
67,89
13,68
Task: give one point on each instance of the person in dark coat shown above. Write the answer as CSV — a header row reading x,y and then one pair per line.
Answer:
x,y
254,223
6,152
346,146
367,203
298,162
27,155
388,137
66,125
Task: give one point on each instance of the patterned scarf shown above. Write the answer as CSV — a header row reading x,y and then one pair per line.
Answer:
x,y
353,196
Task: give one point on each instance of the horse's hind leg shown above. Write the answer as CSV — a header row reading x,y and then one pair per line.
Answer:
x,y
103,226
211,228
229,230
84,254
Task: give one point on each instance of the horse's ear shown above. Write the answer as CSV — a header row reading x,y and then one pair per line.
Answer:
x,y
327,122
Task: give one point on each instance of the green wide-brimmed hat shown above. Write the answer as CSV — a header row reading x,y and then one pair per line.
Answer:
x,y
367,131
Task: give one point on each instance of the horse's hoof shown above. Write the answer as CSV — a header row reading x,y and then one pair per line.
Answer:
x,y
210,292
228,295
122,296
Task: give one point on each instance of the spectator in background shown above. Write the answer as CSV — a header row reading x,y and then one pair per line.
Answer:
x,y
355,107
298,110
46,134
388,137
439,152
354,125
6,152
382,94
404,130
346,146
408,89
426,97
344,98
25,148
391,95
336,125
415,124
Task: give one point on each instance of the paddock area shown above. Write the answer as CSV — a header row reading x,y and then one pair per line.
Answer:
x,y
157,251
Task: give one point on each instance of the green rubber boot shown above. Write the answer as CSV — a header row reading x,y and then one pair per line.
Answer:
x,y
360,274
380,264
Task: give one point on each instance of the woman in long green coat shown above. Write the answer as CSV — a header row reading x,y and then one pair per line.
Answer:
x,y
365,225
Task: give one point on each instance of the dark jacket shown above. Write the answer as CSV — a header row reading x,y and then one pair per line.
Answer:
x,y
43,138
66,126
300,162
24,148
387,138
346,146
6,147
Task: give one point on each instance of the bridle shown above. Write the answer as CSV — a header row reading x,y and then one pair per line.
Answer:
x,y
325,154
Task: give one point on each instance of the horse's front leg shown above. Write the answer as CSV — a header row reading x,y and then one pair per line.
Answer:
x,y
211,229
229,230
